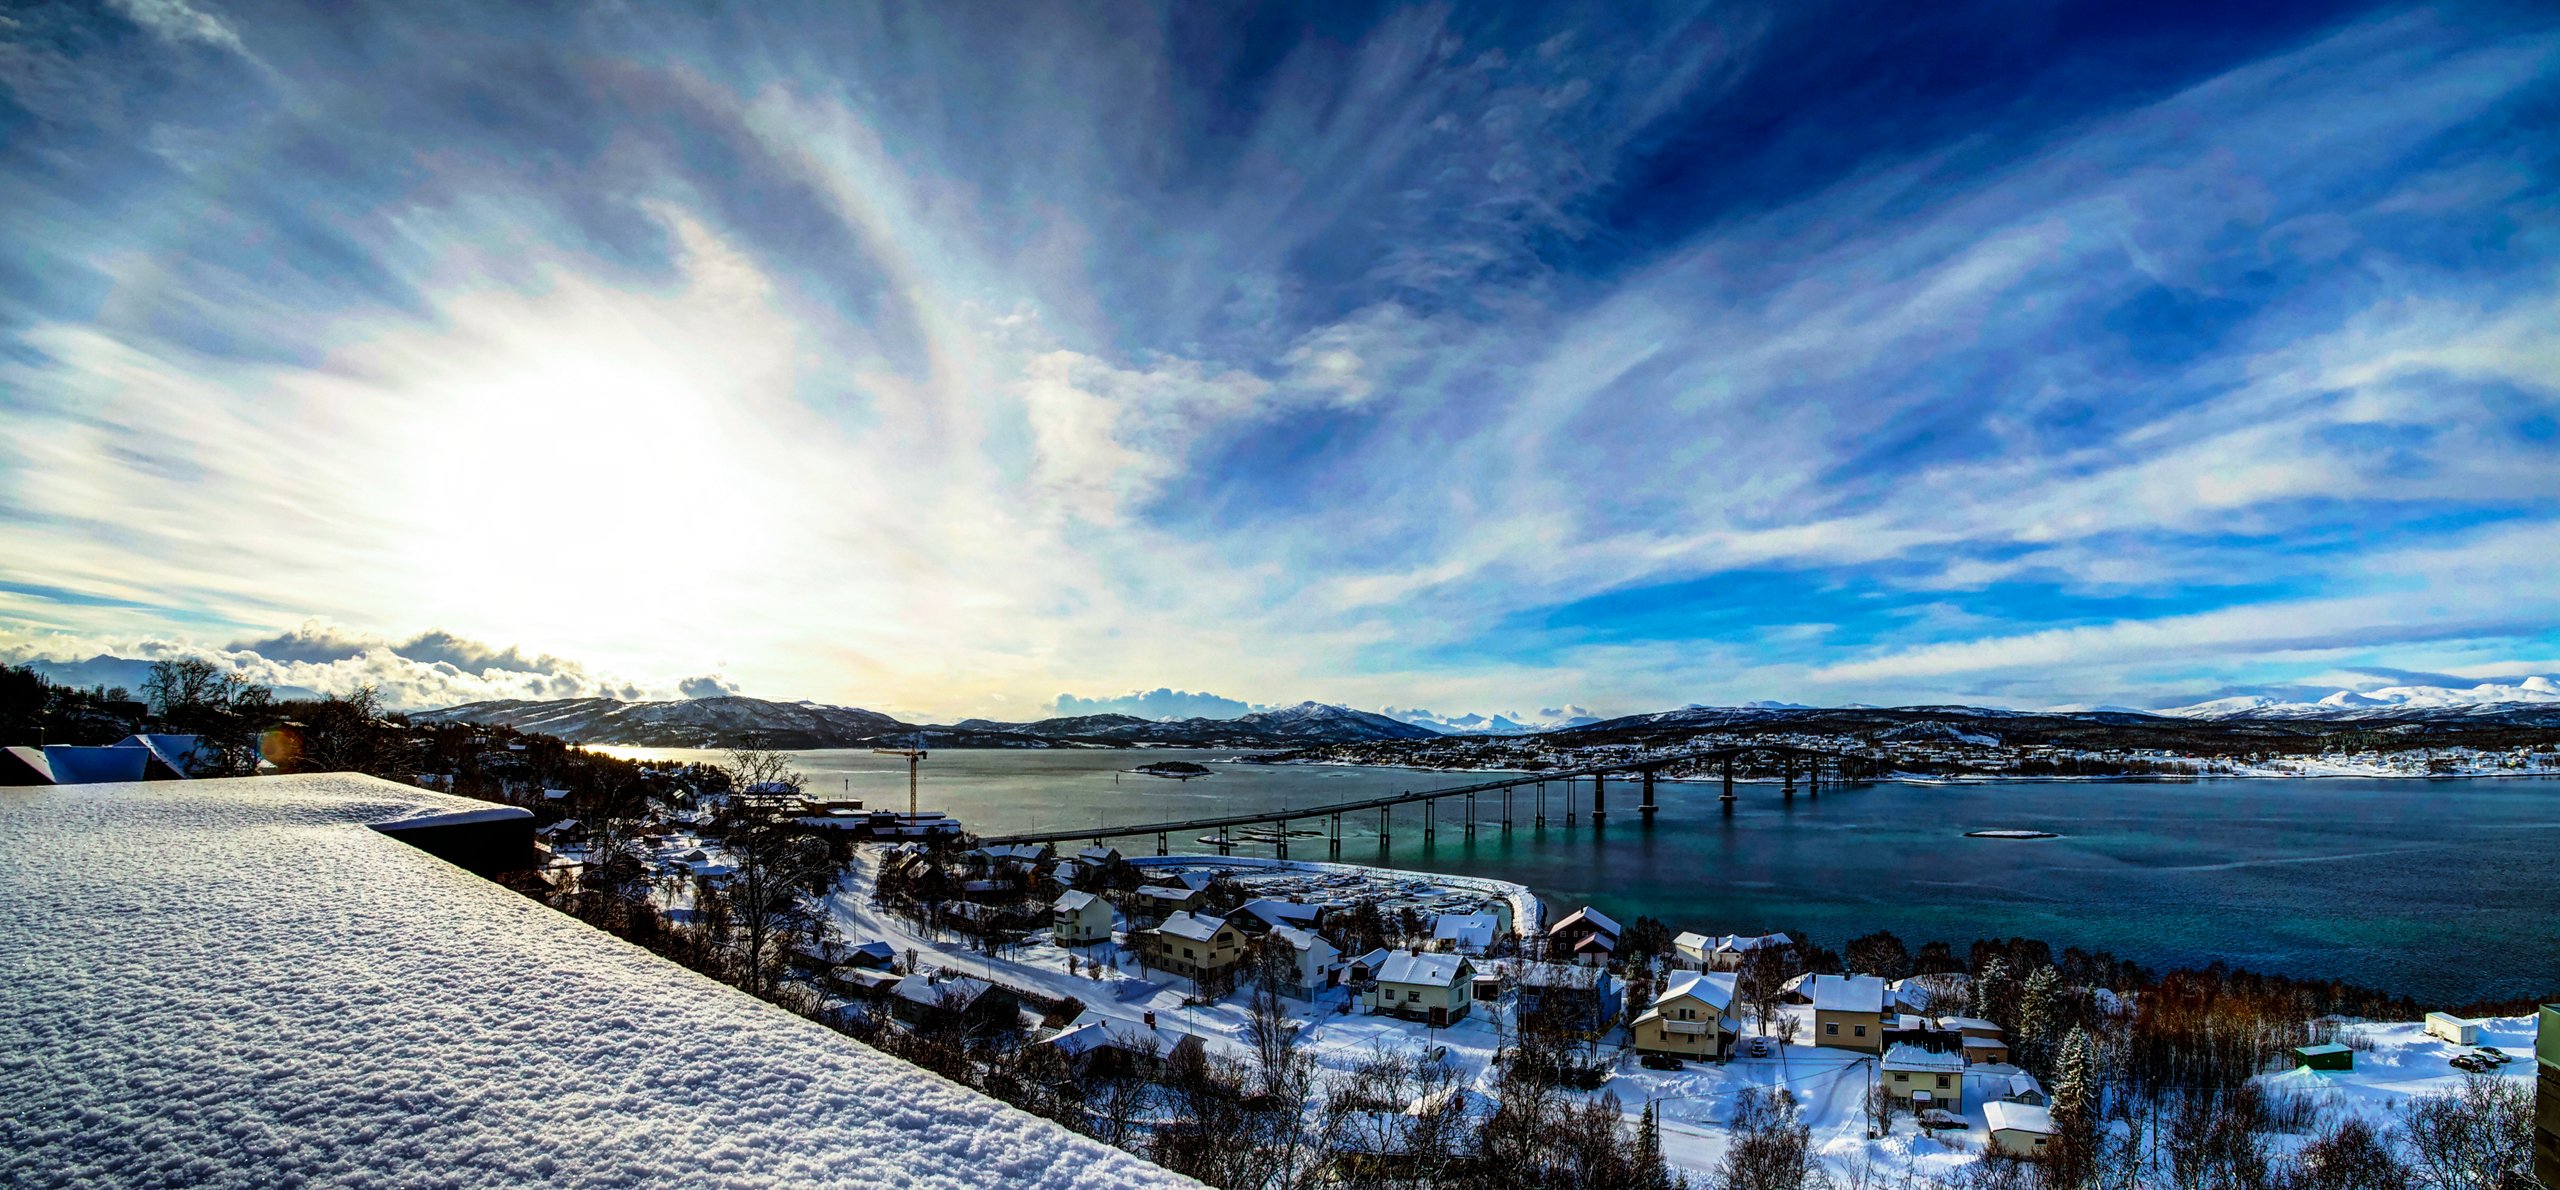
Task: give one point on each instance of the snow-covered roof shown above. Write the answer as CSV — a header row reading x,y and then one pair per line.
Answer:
x,y
1305,941
1912,1057
74,765
1465,929
1279,912
2002,1116
1586,916
1167,894
1435,970
958,991
1186,924
1715,988
1967,1024
1073,902
480,1039
2023,1083
1848,993
1693,943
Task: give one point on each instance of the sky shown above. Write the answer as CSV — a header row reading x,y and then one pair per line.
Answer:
x,y
960,359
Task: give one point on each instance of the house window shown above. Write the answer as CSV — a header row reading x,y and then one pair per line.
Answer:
x,y
1186,953
1862,1030
1900,1077
1942,1082
1832,1030
1416,997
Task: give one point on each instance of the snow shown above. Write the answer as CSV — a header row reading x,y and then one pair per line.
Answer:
x,y
1847,993
237,983
2533,690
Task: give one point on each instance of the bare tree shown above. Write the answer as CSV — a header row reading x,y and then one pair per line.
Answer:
x,y
775,868
2472,1137
1772,1148
2350,1156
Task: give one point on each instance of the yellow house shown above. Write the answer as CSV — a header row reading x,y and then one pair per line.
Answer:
x,y
1427,987
2018,1129
1848,1012
1692,1018
1191,945
1916,1078
1080,919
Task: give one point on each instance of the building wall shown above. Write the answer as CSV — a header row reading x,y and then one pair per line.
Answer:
x,y
1092,925
2017,1143
1846,1035
1656,1037
1399,997
1901,1083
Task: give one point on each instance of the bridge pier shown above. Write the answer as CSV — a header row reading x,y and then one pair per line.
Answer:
x,y
1599,797
1648,808
1224,847
1728,781
1160,843
1335,840
1382,826
1787,770
1568,803
1542,805
1506,809
1471,816
1281,843
1430,823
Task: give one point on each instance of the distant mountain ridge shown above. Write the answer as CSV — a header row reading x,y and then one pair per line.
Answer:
x,y
729,721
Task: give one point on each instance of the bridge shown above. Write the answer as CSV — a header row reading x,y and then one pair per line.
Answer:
x,y
1646,769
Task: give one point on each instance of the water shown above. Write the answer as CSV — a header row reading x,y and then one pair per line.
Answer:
x,y
2446,890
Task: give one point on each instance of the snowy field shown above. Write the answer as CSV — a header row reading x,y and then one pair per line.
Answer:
x,y
236,983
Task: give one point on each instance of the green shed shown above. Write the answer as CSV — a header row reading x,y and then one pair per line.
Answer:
x,y
2324,1057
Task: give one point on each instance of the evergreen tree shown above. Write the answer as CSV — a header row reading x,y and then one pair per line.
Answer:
x,y
2040,1020
1995,993
2073,1159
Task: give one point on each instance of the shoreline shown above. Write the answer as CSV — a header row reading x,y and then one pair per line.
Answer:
x,y
1903,778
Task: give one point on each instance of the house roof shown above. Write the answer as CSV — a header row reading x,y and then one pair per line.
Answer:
x,y
2002,1116
381,978
72,765
1693,942
1279,912
956,990
1306,941
1194,926
1465,929
1436,970
1168,894
1713,987
1074,902
2023,1083
1586,916
1848,993
1912,1057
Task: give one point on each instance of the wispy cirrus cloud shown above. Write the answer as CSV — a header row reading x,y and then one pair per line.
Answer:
x,y
940,357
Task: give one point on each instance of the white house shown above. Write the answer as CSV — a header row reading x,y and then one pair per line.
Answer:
x,y
1080,919
1424,986
1269,911
1314,960
1465,933
1692,1018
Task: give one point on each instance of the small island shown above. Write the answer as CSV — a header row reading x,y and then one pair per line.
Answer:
x,y
2011,834
1179,770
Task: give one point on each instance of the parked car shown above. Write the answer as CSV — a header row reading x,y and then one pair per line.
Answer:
x,y
2473,1063
1660,1062
1939,1117
2495,1055
1762,1047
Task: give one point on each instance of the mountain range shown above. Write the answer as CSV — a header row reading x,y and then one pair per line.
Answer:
x,y
731,720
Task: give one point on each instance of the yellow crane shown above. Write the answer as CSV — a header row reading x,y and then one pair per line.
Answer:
x,y
915,755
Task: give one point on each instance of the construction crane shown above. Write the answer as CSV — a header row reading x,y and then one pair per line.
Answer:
x,y
915,755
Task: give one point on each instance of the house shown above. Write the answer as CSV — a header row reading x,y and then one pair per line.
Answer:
x,y
1692,948
1313,962
1916,1078
2018,1129
1725,952
1098,857
1692,1018
1096,1046
1585,935
1365,967
1166,898
863,983
1080,919
2022,1087
1465,933
66,764
2331,1056
874,955
1191,945
1583,1000
1422,986
1848,1012
936,996
172,756
1981,1041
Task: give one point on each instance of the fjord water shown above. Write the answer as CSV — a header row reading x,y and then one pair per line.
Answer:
x,y
2447,890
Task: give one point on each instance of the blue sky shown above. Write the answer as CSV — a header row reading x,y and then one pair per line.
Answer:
x,y
963,359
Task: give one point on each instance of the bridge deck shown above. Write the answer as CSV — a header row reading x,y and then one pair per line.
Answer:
x,y
1284,816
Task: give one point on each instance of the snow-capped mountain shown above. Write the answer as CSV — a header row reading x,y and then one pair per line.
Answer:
x,y
1472,723
731,720
2386,702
